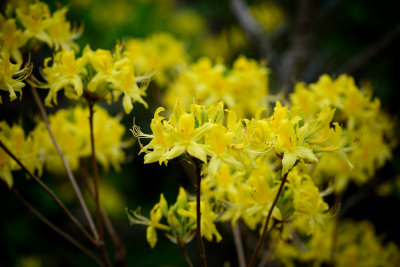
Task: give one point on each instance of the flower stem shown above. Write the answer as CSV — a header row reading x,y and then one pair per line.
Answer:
x,y
56,229
102,246
183,248
238,244
120,256
65,163
338,201
264,233
198,217
49,192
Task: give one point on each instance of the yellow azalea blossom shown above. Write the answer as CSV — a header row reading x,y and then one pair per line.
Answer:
x,y
362,135
61,33
310,210
175,137
64,73
217,145
52,29
292,147
26,148
159,143
225,44
177,227
100,73
105,65
127,84
35,21
155,217
160,54
210,83
12,39
71,128
208,229
186,137
358,242
11,76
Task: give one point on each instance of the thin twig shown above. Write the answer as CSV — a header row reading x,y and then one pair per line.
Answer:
x,y
253,29
120,256
65,163
338,200
298,54
271,249
238,244
49,192
57,230
183,248
264,233
198,217
102,245
366,55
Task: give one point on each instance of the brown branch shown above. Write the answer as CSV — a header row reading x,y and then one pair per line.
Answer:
x,y
120,256
49,192
238,244
338,200
294,59
57,229
102,246
271,249
198,217
65,163
183,248
264,233
362,58
258,36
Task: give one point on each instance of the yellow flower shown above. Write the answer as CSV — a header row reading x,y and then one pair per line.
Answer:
x,y
61,33
35,21
210,83
64,73
12,39
217,143
11,76
71,129
292,147
100,73
127,83
174,137
208,229
160,53
186,138
26,148
364,139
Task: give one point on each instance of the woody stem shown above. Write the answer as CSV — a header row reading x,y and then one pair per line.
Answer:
x,y
264,233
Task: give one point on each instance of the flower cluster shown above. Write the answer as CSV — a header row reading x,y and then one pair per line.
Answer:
x,y
159,53
180,220
28,149
223,45
71,129
345,244
362,120
244,159
38,24
100,73
210,84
